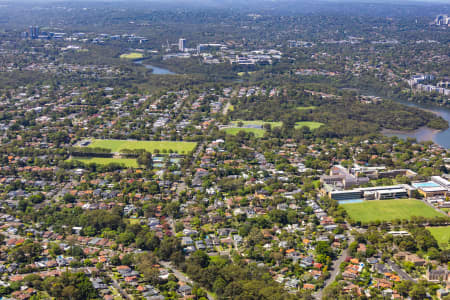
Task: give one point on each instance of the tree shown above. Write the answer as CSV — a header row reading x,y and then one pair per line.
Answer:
x,y
55,250
115,260
168,246
145,159
219,286
404,287
69,198
254,237
145,263
418,292
38,198
324,248
27,252
199,258
74,286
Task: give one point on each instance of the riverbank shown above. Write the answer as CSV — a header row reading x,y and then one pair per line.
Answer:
x,y
155,70
422,134
440,137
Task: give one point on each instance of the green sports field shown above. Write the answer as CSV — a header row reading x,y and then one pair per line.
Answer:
x,y
258,132
442,235
258,122
311,125
150,146
127,162
306,107
132,55
388,210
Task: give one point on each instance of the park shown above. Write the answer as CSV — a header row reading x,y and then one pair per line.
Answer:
x,y
116,146
441,234
257,126
132,55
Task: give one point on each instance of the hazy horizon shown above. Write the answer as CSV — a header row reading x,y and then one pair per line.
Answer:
x,y
224,2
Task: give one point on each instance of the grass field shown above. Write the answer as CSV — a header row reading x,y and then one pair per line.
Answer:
x,y
388,210
258,122
442,235
150,146
132,55
258,132
243,73
311,125
306,107
134,221
128,162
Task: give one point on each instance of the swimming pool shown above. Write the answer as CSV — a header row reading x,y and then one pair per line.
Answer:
x,y
350,201
425,184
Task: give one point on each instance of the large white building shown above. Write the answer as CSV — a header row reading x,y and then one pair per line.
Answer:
x,y
182,45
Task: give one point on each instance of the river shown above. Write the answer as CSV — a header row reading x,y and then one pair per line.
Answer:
x,y
441,138
156,70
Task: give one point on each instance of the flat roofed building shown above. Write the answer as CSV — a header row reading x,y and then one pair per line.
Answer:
x,y
345,195
429,192
441,181
373,193
340,177
399,233
391,194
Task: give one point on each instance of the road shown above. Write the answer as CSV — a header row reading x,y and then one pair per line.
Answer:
x,y
182,185
121,291
226,108
181,276
335,269
399,271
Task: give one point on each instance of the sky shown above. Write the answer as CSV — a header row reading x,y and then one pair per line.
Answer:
x,y
241,1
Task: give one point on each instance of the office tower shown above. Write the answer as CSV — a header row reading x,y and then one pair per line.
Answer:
x,y
34,32
182,45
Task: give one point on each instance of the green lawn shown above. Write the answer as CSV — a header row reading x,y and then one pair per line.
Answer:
x,y
311,125
208,228
442,235
388,210
258,122
258,132
132,55
134,221
128,162
243,73
306,107
150,146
